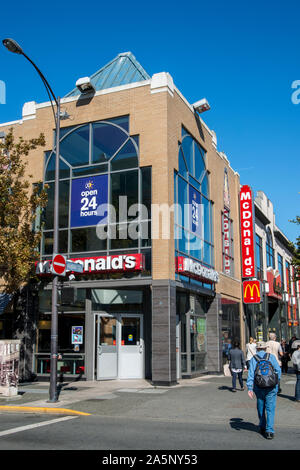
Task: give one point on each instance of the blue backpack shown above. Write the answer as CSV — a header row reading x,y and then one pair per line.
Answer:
x,y
265,375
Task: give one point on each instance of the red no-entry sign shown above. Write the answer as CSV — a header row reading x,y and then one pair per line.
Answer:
x,y
59,263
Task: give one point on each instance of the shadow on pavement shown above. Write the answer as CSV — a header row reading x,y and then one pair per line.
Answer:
x,y
288,397
239,424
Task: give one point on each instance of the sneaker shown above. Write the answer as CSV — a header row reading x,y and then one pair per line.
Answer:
x,y
262,431
242,389
233,390
269,435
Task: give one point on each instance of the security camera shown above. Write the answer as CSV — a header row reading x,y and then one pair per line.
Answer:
x,y
71,277
85,85
201,106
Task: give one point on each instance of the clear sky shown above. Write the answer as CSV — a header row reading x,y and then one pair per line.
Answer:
x,y
242,56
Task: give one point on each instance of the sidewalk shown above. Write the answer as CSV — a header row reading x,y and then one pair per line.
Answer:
x,y
208,398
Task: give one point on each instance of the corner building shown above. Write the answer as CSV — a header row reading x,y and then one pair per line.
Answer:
x,y
160,305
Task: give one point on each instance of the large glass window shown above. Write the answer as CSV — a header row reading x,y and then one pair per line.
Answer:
x,y
259,258
193,218
270,250
87,154
280,268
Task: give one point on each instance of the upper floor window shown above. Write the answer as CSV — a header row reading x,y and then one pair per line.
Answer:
x,y
288,277
270,250
98,157
259,258
280,267
193,227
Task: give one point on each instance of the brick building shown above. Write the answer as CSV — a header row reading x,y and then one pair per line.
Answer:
x,y
161,305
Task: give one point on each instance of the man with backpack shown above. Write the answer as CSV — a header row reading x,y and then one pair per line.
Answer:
x,y
263,378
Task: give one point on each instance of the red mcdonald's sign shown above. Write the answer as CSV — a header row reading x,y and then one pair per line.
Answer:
x,y
247,231
251,292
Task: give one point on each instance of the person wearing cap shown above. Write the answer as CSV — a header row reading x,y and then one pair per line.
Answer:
x,y
266,397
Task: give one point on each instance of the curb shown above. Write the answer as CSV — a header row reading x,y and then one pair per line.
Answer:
x,y
36,409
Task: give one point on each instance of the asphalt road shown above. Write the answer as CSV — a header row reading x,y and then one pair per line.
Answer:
x,y
202,416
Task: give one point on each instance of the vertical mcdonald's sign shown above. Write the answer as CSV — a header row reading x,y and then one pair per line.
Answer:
x,y
251,292
247,232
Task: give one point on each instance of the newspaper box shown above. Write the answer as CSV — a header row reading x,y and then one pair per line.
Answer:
x,y
9,367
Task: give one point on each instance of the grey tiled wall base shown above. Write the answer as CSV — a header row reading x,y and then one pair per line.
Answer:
x,y
164,333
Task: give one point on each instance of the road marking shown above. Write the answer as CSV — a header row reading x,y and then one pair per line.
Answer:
x,y
37,425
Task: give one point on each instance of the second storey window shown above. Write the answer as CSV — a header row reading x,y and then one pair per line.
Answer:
x,y
259,258
270,250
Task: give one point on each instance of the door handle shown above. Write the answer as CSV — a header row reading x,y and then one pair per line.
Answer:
x,y
99,350
141,349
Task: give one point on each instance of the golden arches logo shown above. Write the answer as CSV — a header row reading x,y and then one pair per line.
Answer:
x,y
251,289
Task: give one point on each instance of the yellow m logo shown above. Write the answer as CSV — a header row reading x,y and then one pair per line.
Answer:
x,y
252,288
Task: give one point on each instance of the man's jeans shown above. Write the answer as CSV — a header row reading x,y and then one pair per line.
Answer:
x,y
240,376
266,404
297,388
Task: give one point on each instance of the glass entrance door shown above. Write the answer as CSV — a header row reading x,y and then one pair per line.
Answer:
x,y
107,358
120,346
131,358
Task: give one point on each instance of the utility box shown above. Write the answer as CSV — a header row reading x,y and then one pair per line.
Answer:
x,y
9,366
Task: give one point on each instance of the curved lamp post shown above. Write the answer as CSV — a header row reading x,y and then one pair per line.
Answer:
x,y
14,47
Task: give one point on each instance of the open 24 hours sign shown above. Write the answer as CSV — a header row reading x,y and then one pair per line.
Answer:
x,y
87,195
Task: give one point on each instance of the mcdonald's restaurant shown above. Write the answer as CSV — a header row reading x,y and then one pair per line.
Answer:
x,y
149,281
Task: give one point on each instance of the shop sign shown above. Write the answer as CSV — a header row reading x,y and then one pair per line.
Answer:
x,y
251,292
247,238
87,195
100,264
226,241
274,281
192,268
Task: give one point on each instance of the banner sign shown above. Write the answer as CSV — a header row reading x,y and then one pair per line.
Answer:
x,y
191,268
247,231
196,219
9,367
251,292
226,241
87,195
100,264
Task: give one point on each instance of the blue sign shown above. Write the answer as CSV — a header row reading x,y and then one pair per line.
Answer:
x,y
87,195
196,224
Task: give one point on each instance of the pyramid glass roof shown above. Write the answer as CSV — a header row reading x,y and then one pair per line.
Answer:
x,y
122,70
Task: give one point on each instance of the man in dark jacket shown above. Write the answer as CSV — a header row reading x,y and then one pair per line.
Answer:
x,y
236,364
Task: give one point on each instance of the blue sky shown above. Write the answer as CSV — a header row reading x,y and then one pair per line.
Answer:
x,y
242,56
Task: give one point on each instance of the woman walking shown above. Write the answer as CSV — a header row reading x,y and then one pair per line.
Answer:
x,y
250,350
236,365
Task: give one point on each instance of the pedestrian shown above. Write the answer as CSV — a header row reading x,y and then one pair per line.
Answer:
x,y
296,364
285,358
292,350
265,387
273,347
250,350
236,365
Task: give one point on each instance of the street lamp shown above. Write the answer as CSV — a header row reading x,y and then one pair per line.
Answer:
x,y
14,47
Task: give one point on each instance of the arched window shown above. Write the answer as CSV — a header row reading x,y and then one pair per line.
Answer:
x,y
193,227
270,250
98,153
